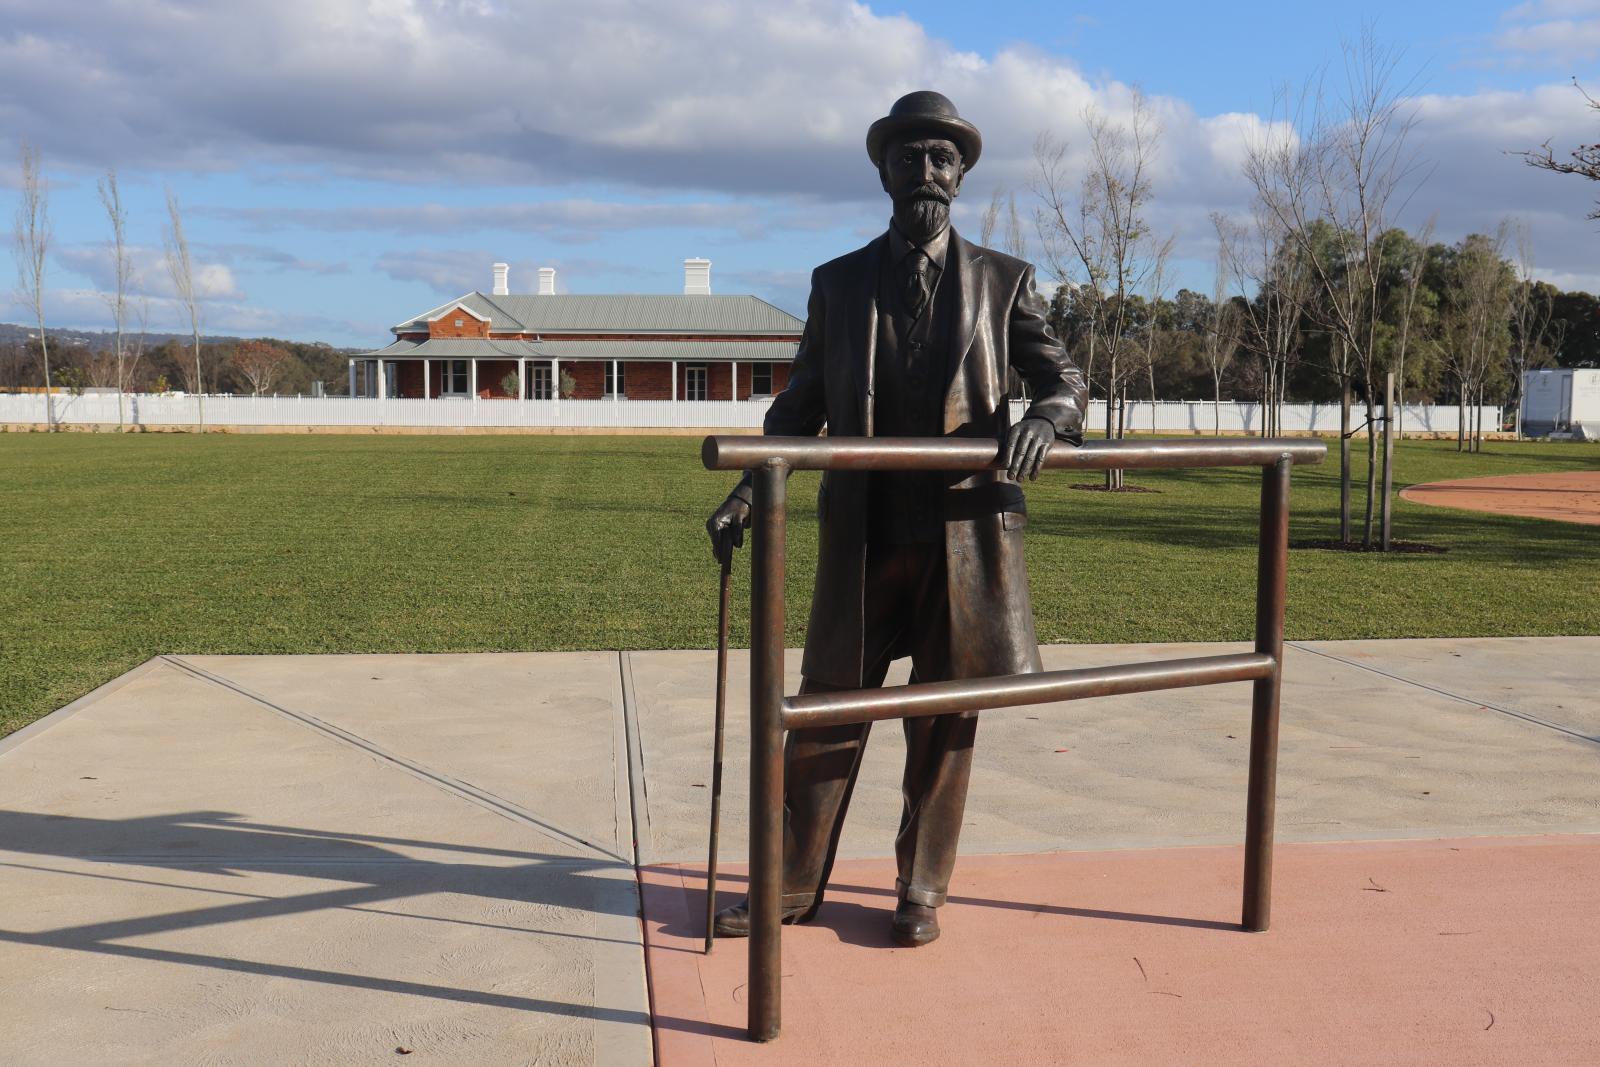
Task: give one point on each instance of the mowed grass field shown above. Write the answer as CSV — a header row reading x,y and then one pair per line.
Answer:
x,y
114,549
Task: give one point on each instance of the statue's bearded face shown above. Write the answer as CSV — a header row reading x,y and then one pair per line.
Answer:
x,y
922,176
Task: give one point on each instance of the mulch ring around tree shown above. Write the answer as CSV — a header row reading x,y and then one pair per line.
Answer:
x,y
1102,488
1414,547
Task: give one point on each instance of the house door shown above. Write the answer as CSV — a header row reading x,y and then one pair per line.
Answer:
x,y
694,383
543,382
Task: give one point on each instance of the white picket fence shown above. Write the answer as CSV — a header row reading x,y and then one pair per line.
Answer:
x,y
151,410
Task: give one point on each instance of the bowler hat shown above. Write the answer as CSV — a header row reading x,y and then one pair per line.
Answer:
x,y
931,115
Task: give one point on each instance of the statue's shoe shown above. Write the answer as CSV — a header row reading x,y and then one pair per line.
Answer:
x,y
735,921
915,924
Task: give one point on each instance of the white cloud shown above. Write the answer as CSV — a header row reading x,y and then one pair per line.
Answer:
x,y
1550,30
722,116
212,280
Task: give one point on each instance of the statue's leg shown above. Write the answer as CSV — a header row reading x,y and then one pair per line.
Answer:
x,y
938,750
820,768
938,769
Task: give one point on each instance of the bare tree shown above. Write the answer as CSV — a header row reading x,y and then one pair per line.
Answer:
x,y
1016,241
121,279
181,267
1101,235
1152,330
262,362
1351,173
1475,325
1221,338
1273,283
991,218
32,232
1413,267
1532,307
1585,159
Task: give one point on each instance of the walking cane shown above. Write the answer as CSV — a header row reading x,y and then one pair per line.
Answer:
x,y
716,746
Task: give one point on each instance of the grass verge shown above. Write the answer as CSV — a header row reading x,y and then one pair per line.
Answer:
x,y
114,549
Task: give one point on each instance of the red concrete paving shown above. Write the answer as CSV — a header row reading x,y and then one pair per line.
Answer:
x,y
1569,496
1459,952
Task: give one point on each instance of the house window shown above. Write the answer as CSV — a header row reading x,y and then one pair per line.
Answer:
x,y
454,378
694,383
761,379
615,383
543,382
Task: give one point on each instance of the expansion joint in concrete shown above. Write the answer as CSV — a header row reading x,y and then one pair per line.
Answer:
x,y
456,787
1512,712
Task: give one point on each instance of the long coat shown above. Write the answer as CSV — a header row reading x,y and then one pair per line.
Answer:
x,y
999,320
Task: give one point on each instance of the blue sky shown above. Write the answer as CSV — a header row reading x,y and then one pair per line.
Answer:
x,y
344,164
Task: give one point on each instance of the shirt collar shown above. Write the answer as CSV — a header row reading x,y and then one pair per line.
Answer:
x,y
900,246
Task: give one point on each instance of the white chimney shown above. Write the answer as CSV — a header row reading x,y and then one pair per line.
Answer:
x,y
502,279
697,277
547,281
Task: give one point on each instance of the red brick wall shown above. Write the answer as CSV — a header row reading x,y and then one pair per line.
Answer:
x,y
589,378
490,371
647,381
408,378
445,325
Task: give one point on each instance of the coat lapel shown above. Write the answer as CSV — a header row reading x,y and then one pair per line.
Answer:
x,y
864,327
966,275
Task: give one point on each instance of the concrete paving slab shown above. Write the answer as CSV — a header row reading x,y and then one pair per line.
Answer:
x,y
191,873
529,729
1552,679
1446,953
1362,755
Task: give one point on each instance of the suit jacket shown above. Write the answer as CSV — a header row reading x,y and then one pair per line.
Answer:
x,y
999,321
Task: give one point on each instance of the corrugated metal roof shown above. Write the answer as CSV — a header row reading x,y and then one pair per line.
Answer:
x,y
455,348
636,351
662,351
623,314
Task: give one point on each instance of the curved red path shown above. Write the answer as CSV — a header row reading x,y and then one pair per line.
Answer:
x,y
1568,496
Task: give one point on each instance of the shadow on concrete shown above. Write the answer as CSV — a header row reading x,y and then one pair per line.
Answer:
x,y
219,843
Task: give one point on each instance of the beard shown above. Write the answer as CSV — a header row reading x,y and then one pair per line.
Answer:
x,y
922,217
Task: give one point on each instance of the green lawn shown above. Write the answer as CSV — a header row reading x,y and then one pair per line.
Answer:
x,y
114,549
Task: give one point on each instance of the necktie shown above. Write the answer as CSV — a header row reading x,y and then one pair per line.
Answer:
x,y
916,281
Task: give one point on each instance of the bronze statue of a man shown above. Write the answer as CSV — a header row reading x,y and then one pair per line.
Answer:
x,y
912,336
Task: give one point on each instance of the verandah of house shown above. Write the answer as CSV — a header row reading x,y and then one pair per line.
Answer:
x,y
550,346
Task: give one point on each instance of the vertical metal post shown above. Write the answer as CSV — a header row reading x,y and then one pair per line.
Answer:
x,y
1388,454
766,747
1271,592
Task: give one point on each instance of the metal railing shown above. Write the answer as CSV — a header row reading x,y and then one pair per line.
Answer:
x,y
771,459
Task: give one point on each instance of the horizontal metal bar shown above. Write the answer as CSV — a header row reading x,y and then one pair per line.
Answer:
x,y
734,453
1015,690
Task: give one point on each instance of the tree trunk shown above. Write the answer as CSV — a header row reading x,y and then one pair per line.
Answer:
x,y
1344,462
1216,405
49,397
199,384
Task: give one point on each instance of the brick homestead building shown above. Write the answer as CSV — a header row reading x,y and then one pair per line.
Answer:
x,y
549,347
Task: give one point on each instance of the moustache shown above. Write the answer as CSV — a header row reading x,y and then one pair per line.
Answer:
x,y
927,192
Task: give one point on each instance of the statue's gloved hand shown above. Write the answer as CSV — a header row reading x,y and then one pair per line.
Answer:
x,y
727,525
1026,446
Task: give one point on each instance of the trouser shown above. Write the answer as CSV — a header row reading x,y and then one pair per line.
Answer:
x,y
906,613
